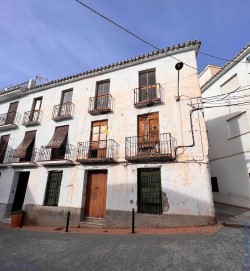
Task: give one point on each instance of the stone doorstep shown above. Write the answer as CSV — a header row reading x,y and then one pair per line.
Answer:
x,y
92,222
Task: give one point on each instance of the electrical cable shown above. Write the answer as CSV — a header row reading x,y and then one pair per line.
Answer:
x,y
129,32
220,58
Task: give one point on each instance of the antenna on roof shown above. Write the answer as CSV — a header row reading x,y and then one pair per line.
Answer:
x,y
39,79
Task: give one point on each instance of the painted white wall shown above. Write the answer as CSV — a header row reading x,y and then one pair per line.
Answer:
x,y
230,168
187,185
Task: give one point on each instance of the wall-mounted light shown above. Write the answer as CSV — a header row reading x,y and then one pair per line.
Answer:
x,y
178,67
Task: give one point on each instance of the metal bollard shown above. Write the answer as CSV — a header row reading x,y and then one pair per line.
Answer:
x,y
67,224
133,220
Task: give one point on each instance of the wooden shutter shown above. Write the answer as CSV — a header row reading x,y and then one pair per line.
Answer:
x,y
58,138
20,151
3,146
153,120
11,113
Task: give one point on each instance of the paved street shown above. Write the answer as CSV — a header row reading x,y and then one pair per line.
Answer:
x,y
231,216
43,251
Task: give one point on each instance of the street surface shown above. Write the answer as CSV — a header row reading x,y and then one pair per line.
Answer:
x,y
24,250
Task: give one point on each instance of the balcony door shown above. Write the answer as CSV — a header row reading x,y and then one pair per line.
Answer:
x,y
11,115
98,142
148,133
65,105
102,100
4,140
147,86
35,111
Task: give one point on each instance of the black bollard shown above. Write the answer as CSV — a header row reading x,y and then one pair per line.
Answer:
x,y
21,225
67,224
133,220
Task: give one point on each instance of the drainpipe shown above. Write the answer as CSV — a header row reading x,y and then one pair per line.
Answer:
x,y
192,133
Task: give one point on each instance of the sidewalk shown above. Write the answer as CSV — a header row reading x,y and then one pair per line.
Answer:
x,y
232,200
184,230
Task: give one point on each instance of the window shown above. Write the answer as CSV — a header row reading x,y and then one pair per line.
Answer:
x,y
230,85
238,125
65,108
35,111
98,144
214,182
53,188
102,100
58,143
149,191
147,85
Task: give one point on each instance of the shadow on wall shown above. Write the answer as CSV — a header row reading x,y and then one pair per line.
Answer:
x,y
227,143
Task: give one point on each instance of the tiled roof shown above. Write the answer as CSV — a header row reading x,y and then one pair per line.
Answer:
x,y
121,63
226,65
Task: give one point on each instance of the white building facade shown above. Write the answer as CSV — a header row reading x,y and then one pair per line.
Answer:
x,y
103,142
227,112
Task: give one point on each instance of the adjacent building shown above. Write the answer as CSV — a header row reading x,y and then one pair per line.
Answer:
x,y
226,101
102,142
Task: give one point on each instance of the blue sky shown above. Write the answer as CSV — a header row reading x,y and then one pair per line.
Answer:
x,y
56,38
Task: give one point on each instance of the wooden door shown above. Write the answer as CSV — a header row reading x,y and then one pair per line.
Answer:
x,y
96,194
11,115
148,133
148,127
98,145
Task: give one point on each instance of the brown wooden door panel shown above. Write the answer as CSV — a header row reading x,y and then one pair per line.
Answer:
x,y
96,194
11,113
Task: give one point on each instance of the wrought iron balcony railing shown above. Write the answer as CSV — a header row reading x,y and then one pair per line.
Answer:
x,y
63,153
97,151
63,111
147,95
32,117
101,104
31,156
9,118
142,148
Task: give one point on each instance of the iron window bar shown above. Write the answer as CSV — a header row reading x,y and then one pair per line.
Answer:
x,y
100,104
32,117
63,153
63,111
147,95
11,117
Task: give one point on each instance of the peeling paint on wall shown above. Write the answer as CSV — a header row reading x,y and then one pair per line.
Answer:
x,y
165,204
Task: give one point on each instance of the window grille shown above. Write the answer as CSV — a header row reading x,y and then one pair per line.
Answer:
x,y
53,188
149,191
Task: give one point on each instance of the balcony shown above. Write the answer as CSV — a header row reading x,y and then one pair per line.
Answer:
x,y
9,120
95,152
63,111
150,148
28,161
31,118
147,95
101,104
64,155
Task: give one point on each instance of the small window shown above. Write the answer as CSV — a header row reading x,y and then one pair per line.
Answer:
x,y
214,182
149,191
238,125
53,188
230,85
147,85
